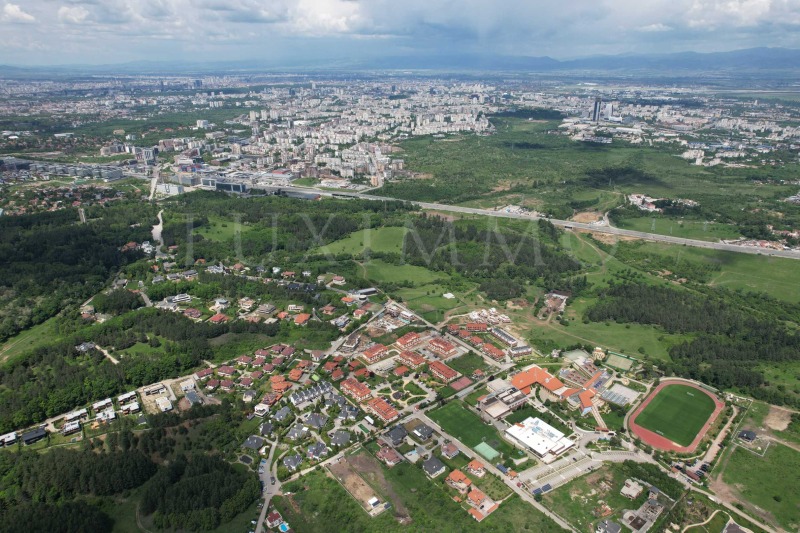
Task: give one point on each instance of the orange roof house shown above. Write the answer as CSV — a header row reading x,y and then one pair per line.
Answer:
x,y
302,319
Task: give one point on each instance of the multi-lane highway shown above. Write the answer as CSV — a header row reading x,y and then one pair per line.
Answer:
x,y
568,224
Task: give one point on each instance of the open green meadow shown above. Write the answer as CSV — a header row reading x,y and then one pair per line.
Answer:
x,y
466,426
767,482
686,229
322,501
577,500
529,163
381,271
29,339
222,229
385,240
775,276
678,412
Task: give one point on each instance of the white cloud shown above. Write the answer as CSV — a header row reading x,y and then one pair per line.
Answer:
x,y
655,28
331,28
73,15
14,13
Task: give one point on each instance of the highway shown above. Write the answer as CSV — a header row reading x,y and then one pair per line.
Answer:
x,y
568,224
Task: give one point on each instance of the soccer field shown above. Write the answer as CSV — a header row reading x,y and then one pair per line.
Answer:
x,y
678,413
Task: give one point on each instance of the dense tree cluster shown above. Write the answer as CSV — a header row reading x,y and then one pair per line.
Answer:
x,y
652,473
49,260
728,344
198,493
117,302
61,474
502,261
77,517
273,224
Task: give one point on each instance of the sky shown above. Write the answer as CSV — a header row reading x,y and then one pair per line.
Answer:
x,y
55,32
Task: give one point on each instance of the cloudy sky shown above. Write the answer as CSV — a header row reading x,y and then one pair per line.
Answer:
x,y
42,32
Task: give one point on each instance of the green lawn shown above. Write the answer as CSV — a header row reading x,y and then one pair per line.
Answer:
x,y
678,412
386,240
768,482
467,427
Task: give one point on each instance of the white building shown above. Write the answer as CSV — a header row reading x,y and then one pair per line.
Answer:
x,y
539,437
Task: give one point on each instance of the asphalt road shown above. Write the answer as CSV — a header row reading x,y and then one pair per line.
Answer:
x,y
568,224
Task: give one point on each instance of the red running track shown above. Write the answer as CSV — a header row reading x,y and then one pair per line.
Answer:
x,y
662,443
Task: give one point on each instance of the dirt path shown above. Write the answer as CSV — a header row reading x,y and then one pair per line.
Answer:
x,y
108,355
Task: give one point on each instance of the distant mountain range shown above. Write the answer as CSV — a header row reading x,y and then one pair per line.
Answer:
x,y
751,59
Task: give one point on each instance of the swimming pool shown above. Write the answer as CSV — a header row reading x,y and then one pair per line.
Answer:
x,y
284,527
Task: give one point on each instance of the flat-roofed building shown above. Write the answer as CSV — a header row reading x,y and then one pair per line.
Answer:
x,y
539,437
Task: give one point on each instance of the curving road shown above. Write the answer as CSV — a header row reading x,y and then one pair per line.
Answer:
x,y
568,224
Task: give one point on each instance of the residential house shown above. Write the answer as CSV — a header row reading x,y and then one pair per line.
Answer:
x,y
355,389
442,372
409,340
316,420
433,467
292,462
317,451
340,438
412,359
382,409
253,442
274,519
459,481
423,432
297,432
450,450
374,353
389,455
442,348
476,468
397,435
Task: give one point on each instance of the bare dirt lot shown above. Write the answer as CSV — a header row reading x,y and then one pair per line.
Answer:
x,y
778,419
353,483
369,472
587,217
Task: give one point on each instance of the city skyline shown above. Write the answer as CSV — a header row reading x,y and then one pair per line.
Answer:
x,y
284,32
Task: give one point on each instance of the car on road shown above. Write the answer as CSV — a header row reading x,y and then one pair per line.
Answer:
x,y
272,480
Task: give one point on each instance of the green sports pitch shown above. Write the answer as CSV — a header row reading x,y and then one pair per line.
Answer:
x,y
678,413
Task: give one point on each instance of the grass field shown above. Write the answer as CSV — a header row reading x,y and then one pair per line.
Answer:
x,y
687,229
778,277
576,500
386,240
381,271
767,482
467,364
322,502
222,229
29,339
716,524
678,412
467,427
